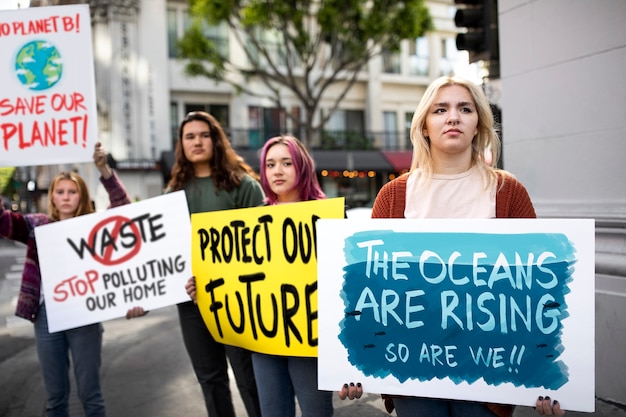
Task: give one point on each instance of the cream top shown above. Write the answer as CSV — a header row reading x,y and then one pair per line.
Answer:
x,y
450,196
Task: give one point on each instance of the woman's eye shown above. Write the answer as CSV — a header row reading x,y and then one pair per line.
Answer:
x,y
439,111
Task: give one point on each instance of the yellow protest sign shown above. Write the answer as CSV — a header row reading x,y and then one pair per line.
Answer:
x,y
256,274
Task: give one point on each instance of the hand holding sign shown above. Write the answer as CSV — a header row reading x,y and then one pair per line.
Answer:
x,y
256,275
100,158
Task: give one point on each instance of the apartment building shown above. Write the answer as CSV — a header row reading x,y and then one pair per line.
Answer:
x,y
143,93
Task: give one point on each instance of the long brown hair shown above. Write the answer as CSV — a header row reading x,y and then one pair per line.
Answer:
x,y
227,167
84,204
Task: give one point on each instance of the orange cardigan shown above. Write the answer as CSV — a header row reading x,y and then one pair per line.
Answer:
x,y
512,201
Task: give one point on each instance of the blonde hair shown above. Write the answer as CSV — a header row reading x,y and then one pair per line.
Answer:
x,y
486,139
84,205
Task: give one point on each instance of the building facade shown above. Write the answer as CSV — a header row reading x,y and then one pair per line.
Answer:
x,y
143,93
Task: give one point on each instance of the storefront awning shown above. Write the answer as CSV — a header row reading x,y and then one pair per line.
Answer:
x,y
399,160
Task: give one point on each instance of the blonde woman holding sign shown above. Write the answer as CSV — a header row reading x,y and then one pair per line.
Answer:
x,y
68,197
450,177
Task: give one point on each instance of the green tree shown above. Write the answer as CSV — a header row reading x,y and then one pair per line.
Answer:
x,y
301,46
6,181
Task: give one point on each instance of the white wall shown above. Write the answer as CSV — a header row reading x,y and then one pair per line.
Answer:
x,y
563,65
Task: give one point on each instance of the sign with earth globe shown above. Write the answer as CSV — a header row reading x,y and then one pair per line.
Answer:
x,y
48,112
38,65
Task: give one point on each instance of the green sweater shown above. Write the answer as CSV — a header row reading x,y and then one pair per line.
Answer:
x,y
202,197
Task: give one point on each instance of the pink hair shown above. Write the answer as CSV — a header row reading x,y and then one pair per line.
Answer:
x,y
306,178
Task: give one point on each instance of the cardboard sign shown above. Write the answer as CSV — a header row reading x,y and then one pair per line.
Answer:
x,y
47,101
256,274
491,310
97,266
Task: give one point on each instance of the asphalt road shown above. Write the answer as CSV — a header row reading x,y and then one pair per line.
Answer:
x,y
145,372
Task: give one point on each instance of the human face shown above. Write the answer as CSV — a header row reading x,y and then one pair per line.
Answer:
x,y
452,123
66,198
281,173
198,146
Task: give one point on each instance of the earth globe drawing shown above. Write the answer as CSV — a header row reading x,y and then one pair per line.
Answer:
x,y
38,65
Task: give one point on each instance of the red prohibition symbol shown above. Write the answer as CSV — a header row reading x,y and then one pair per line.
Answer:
x,y
119,225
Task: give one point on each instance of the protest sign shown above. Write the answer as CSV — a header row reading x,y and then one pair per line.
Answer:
x,y
47,101
498,310
97,266
256,274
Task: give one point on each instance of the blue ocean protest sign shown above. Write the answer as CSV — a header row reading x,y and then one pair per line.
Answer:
x,y
491,310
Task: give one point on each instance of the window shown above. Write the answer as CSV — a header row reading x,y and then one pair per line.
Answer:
x,y
419,56
178,21
172,32
345,130
272,42
264,122
391,62
390,119
408,118
219,111
448,56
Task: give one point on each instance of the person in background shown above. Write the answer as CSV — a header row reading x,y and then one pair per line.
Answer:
x,y
214,177
68,197
452,131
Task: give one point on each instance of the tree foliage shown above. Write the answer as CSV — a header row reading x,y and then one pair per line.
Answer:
x,y
300,46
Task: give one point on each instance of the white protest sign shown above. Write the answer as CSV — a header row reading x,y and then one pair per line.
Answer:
x,y
97,266
47,101
498,310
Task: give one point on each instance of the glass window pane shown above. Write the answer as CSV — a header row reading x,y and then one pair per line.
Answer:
x,y
172,33
390,119
419,57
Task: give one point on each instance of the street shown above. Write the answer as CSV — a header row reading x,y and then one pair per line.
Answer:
x,y
145,370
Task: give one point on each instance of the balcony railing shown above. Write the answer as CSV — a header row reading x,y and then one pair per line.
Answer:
x,y
390,140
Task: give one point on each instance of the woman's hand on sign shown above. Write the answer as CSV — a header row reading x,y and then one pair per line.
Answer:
x,y
190,286
135,312
545,407
351,391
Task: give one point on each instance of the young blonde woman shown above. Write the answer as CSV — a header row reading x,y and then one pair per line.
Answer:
x,y
452,133
68,197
